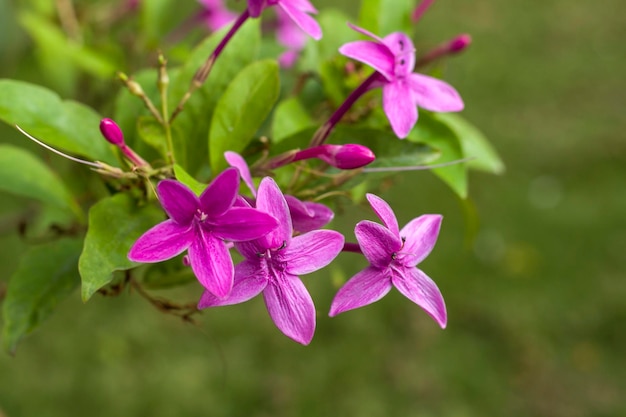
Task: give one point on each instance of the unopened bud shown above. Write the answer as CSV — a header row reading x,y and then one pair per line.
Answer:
x,y
350,156
459,43
111,132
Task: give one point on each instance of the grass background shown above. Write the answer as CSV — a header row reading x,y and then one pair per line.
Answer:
x,y
537,302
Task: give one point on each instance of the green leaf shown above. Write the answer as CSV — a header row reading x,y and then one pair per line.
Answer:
x,y
242,109
474,144
182,176
46,275
49,36
153,133
382,17
115,223
290,117
438,135
22,173
194,121
65,125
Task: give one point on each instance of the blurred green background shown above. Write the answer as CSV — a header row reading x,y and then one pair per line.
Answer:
x,y
536,302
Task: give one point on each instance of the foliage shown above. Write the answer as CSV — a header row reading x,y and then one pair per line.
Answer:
x,y
179,116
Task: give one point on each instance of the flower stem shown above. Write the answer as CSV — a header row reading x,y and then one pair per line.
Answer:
x,y
351,247
163,83
203,72
324,131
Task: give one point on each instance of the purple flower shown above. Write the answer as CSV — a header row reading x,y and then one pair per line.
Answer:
x,y
215,14
305,215
393,255
290,36
393,57
200,226
297,10
272,265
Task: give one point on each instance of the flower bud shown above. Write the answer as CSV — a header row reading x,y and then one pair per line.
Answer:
x,y
111,132
349,156
459,43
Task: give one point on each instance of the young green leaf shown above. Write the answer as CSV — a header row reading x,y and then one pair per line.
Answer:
x,y
194,120
242,109
114,225
290,117
22,173
46,274
474,144
182,176
438,135
65,125
383,17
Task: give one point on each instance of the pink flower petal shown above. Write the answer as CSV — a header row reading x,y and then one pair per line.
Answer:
x,y
307,215
270,200
162,242
211,263
402,48
303,20
377,243
291,308
312,251
366,287
220,194
178,201
303,5
384,213
399,107
420,236
419,288
241,223
288,33
236,161
374,54
248,283
433,94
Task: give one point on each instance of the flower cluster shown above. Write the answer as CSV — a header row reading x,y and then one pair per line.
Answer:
x,y
280,237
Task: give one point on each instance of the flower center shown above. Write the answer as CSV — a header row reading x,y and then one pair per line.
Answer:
x,y
201,216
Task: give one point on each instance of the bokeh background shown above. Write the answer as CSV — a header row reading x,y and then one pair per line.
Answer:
x,y
536,300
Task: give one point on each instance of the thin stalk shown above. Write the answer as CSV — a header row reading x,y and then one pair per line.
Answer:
x,y
324,131
203,72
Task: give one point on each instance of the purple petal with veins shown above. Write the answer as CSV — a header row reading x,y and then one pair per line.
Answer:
x,y
248,283
377,243
242,223
220,194
366,287
312,251
434,95
291,308
384,213
399,108
211,263
419,288
162,242
236,161
178,201
420,236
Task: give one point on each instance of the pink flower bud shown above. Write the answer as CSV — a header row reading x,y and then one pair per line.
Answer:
x,y
112,132
350,156
459,43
